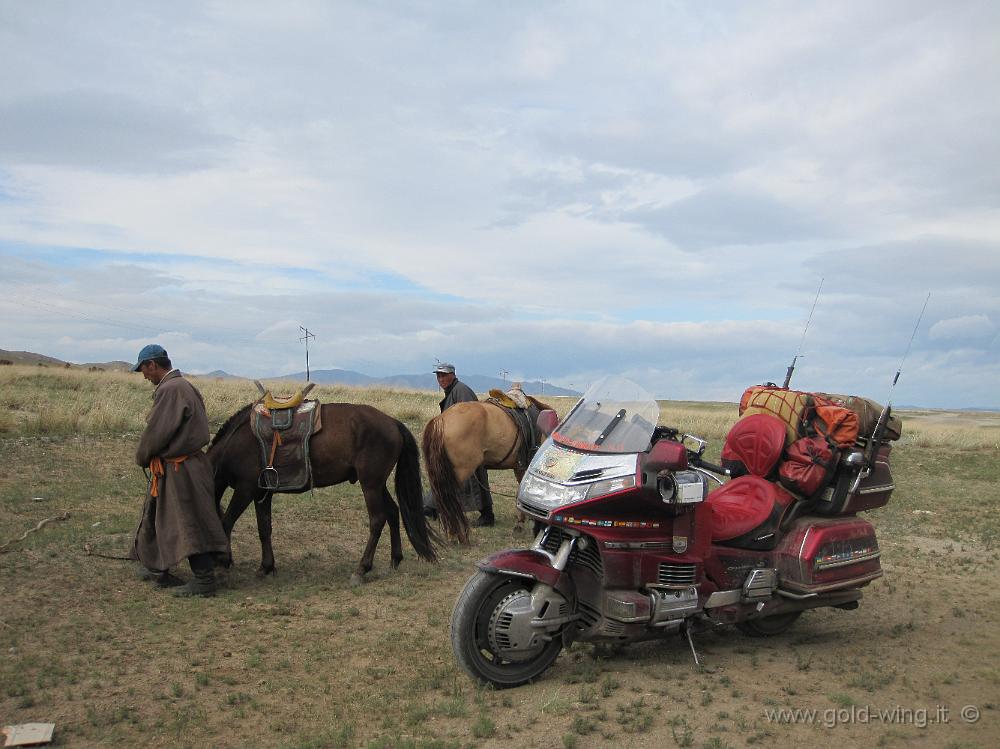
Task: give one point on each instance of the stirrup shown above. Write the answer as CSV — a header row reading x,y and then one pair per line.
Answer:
x,y
268,479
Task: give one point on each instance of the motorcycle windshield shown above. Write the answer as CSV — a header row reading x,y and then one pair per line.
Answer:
x,y
614,416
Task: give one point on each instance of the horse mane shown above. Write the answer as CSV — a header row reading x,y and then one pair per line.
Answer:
x,y
234,419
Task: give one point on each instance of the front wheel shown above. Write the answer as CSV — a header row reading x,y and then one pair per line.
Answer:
x,y
768,626
491,634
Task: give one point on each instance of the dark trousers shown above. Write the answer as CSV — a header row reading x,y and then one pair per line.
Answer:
x,y
482,480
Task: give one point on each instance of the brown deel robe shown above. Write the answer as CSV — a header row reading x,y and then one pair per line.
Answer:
x,y
183,519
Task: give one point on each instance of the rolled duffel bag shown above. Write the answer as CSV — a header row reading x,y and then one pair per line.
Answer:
x,y
838,424
809,463
868,412
794,408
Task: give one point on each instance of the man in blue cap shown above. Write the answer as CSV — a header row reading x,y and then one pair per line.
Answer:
x,y
477,488
180,518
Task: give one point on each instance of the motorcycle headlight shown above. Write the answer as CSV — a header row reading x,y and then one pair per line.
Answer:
x,y
538,491
610,486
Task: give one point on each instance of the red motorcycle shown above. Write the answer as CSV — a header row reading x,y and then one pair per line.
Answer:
x,y
633,546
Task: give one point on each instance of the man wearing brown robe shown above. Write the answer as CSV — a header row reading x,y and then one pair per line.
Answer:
x,y
179,518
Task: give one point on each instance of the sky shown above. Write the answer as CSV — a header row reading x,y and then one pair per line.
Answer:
x,y
557,190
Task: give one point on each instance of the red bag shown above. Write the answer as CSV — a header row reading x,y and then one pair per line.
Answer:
x,y
808,465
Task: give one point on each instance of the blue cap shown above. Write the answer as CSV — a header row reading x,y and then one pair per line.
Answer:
x,y
152,351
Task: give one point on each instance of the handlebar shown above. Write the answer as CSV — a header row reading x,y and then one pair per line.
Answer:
x,y
698,461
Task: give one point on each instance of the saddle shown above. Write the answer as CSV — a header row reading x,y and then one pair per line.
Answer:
x,y
523,411
284,427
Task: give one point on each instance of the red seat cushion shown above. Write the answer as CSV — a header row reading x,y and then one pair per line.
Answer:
x,y
756,441
744,504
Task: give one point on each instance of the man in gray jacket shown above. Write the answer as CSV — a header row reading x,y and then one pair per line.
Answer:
x,y
478,485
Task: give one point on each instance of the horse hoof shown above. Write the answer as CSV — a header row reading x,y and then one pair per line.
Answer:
x,y
265,571
356,580
396,562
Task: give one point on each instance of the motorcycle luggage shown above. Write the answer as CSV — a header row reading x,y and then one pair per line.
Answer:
x,y
821,554
868,412
872,491
809,463
791,406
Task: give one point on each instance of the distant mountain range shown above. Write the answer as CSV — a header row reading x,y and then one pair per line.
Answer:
x,y
479,383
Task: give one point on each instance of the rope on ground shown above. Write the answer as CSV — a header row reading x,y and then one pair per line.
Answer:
x,y
41,524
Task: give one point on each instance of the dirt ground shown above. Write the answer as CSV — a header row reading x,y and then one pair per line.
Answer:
x,y
302,659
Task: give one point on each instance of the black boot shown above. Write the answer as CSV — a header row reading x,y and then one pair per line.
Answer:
x,y
203,583
160,578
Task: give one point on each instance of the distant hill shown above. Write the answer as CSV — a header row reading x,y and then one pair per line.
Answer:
x,y
426,381
29,358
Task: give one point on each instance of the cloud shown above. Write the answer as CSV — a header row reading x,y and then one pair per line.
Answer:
x,y
969,327
106,132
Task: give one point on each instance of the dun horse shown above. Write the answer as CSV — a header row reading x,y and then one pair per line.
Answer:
x,y
357,443
458,441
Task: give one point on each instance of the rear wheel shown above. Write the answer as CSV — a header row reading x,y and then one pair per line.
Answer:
x,y
768,626
488,634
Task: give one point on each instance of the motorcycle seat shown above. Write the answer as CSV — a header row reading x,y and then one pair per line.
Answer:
x,y
746,511
754,444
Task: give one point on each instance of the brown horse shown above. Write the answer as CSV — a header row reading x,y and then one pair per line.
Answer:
x,y
457,442
357,443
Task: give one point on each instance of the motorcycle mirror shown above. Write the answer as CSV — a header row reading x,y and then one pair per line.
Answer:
x,y
666,455
547,421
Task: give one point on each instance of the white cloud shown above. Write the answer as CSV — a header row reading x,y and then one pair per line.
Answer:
x,y
968,327
656,191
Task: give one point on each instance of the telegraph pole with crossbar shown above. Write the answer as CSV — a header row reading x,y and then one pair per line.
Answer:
x,y
306,335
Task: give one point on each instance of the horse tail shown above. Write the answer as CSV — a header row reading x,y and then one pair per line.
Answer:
x,y
409,492
445,488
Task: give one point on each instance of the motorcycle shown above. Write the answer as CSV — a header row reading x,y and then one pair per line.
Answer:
x,y
632,545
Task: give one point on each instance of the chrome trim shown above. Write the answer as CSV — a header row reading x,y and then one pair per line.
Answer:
x,y
708,474
723,598
877,489
795,596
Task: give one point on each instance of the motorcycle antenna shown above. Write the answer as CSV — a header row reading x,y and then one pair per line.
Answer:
x,y
880,425
901,361
791,367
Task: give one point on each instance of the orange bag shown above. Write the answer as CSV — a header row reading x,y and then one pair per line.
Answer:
x,y
840,425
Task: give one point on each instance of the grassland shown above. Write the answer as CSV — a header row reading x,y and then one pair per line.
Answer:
x,y
305,660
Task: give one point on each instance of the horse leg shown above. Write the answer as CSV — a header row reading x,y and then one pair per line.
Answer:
x,y
376,522
392,518
262,506
238,503
521,517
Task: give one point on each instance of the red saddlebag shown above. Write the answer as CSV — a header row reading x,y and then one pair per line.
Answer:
x,y
809,463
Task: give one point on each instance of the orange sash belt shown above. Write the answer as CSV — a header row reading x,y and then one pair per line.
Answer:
x,y
156,470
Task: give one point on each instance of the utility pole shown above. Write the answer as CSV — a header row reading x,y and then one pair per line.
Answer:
x,y
503,375
543,386
306,335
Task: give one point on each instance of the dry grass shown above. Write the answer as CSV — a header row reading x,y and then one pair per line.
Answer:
x,y
303,660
